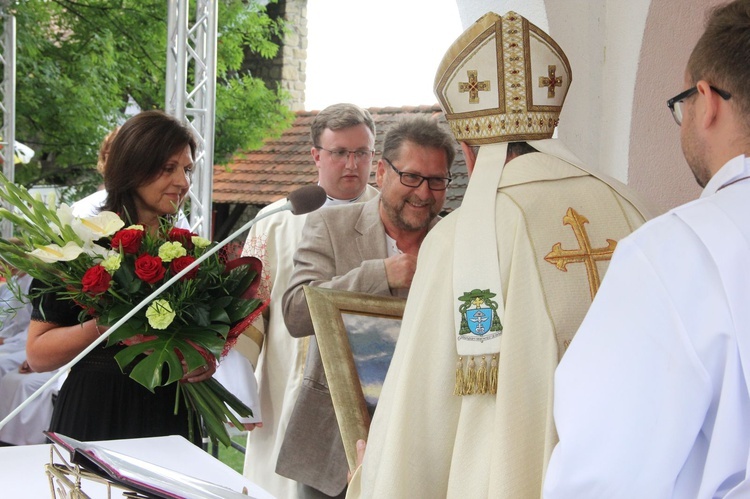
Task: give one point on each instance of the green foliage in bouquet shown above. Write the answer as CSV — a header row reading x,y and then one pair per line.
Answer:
x,y
109,270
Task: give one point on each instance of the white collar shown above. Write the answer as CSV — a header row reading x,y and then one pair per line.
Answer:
x,y
733,170
392,246
335,202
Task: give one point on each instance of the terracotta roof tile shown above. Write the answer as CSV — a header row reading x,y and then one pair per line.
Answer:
x,y
282,165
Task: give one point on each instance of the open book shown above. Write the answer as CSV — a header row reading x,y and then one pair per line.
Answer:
x,y
138,475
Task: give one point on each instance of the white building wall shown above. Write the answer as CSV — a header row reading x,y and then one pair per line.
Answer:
x,y
533,10
579,27
657,166
627,59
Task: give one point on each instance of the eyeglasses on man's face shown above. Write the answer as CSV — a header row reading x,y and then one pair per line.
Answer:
x,y
414,180
361,156
675,103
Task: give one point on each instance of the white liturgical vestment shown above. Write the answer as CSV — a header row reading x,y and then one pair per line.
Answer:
x,y
424,440
651,399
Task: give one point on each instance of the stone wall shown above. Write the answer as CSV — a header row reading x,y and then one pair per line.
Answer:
x,y
287,69
295,53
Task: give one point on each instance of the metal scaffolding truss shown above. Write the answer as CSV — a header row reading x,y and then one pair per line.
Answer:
x,y
7,100
191,94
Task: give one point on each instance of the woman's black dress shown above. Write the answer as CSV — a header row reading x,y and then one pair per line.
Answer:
x,y
97,401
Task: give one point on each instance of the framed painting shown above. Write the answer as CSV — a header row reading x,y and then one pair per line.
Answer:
x,y
356,335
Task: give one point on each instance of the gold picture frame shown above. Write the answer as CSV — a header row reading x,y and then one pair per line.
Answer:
x,y
327,310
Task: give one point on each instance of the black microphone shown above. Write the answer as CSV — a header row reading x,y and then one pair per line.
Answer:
x,y
306,199
303,200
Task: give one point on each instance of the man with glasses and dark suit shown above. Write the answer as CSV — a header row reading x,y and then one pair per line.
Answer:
x,y
651,399
370,248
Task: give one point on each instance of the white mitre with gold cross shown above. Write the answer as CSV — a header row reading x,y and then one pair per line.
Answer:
x,y
503,80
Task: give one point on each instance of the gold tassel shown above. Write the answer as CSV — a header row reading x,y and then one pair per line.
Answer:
x,y
459,388
493,374
482,377
471,378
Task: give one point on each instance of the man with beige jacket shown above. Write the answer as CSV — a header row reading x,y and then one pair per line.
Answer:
x,y
369,248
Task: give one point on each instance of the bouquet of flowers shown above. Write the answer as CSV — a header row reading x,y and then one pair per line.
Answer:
x,y
108,269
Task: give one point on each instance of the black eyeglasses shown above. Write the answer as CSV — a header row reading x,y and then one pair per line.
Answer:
x,y
675,103
414,180
361,156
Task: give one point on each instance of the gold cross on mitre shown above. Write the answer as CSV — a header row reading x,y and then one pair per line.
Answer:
x,y
550,82
585,253
473,86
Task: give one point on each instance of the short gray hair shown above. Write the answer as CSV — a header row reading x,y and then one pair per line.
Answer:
x,y
420,130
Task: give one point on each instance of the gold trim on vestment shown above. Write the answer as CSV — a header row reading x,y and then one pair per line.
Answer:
x,y
255,335
584,253
475,381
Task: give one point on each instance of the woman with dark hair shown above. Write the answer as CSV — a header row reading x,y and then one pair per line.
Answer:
x,y
147,177
149,168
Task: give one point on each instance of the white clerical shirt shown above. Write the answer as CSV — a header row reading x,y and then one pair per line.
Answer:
x,y
651,398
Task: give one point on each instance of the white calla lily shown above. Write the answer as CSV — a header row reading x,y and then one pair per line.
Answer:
x,y
84,232
65,214
54,253
91,229
104,224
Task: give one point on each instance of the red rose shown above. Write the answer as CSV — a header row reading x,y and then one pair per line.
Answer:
x,y
129,239
149,268
182,236
96,280
180,263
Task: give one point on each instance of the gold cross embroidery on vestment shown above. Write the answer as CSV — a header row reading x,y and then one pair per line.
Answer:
x,y
550,82
584,253
473,86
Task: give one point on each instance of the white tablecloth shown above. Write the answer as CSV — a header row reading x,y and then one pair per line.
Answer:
x,y
22,472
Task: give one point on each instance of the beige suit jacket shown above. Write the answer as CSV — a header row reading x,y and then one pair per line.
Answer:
x,y
282,360
342,247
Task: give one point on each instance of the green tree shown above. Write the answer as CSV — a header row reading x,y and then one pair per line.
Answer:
x,y
80,61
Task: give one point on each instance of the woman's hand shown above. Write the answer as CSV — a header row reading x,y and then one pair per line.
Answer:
x,y
200,374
